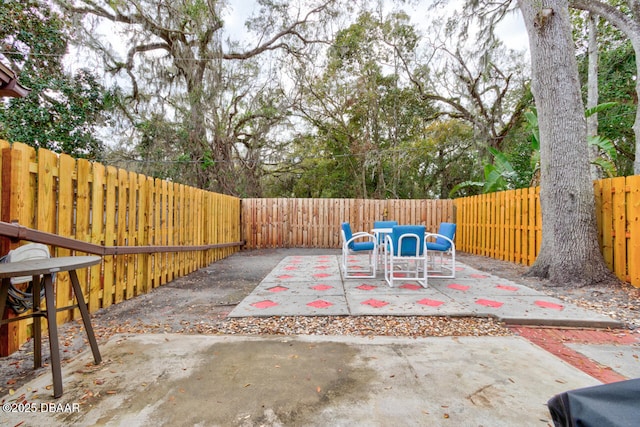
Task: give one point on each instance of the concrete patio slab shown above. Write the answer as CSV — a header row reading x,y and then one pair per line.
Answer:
x,y
294,285
250,381
487,285
167,379
428,303
258,305
323,287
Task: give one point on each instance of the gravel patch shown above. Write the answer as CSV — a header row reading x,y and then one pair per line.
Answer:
x,y
409,326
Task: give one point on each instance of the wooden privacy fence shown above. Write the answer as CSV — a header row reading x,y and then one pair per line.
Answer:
x,y
618,215
507,225
111,207
304,223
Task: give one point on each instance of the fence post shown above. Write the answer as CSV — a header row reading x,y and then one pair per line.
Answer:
x,y
17,205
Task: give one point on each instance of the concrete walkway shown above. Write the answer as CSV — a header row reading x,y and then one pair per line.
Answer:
x,y
188,380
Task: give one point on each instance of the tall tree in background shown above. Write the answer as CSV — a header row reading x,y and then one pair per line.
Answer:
x,y
569,252
175,59
487,87
592,90
62,112
357,103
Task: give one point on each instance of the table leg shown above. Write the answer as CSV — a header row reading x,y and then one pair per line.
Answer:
x,y
37,323
4,292
86,319
54,347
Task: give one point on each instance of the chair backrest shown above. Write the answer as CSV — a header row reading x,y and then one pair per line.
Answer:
x,y
346,233
383,224
408,246
446,229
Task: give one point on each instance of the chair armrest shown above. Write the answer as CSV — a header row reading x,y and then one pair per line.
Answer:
x,y
362,235
436,235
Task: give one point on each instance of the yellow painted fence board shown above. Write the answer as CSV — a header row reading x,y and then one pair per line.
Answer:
x,y
108,206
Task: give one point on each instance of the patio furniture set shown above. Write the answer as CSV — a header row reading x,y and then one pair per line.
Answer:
x,y
31,263
403,252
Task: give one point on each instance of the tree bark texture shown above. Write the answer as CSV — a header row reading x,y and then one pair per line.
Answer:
x,y
569,252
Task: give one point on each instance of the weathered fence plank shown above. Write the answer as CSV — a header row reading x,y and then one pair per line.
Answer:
x,y
633,220
273,223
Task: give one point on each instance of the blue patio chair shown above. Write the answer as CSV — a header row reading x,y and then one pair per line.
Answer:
x,y
405,257
377,225
358,243
380,236
442,251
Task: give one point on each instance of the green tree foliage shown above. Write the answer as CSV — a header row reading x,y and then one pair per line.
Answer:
x,y
616,84
369,125
62,112
223,95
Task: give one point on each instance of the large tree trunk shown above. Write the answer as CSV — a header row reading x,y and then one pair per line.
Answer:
x,y
569,252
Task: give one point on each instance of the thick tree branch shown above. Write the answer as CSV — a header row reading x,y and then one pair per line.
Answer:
x,y
616,17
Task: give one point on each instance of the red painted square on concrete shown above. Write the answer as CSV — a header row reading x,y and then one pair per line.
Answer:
x,y
551,305
458,287
507,288
365,287
399,274
375,303
321,275
278,289
320,304
321,267
264,304
430,302
411,286
479,276
321,287
285,277
291,267
489,303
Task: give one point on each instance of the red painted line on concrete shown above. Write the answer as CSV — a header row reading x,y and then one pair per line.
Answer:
x,y
553,340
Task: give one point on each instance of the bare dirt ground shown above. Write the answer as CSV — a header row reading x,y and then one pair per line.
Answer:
x,y
199,303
